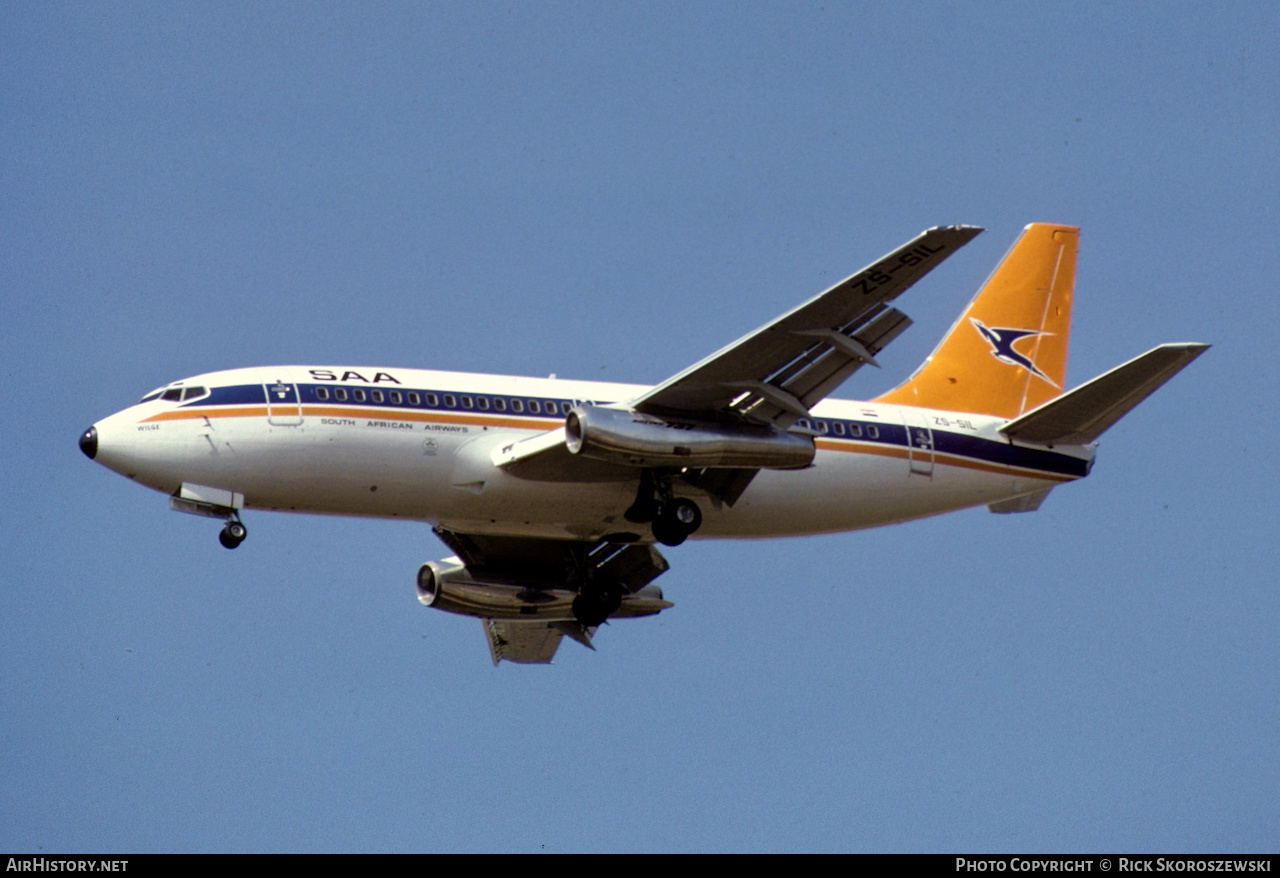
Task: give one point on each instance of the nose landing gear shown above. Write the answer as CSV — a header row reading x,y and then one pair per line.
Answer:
x,y
213,503
233,533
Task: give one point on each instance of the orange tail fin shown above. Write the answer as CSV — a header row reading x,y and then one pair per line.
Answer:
x,y
1007,353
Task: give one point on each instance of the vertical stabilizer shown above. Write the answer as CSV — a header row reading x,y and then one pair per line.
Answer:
x,y
1007,353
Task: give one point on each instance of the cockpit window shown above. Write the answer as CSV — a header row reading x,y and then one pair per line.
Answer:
x,y
173,393
152,395
193,393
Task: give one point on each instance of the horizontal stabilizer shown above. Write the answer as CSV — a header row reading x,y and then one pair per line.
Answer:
x,y
1084,414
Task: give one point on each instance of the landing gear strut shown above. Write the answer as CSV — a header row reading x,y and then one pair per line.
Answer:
x,y
646,507
233,533
596,602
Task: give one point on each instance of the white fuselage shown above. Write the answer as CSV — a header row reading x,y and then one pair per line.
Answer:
x,y
416,444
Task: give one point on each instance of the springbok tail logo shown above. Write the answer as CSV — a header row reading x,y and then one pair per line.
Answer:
x,y
1002,340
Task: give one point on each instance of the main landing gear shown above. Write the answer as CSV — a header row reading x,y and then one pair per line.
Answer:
x,y
608,574
596,602
233,533
672,518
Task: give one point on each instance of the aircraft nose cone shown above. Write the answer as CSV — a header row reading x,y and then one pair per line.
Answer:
x,y
89,442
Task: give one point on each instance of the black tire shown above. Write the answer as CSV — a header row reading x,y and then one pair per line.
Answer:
x,y
667,531
228,541
595,604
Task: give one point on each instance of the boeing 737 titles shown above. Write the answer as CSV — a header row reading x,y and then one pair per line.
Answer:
x,y
552,493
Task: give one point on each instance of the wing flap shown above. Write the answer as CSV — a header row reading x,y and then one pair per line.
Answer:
x,y
1082,415
838,362
531,643
1026,503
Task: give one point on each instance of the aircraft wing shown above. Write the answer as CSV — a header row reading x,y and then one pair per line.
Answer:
x,y
777,373
554,563
549,571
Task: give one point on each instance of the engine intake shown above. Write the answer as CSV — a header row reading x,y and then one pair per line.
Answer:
x,y
637,439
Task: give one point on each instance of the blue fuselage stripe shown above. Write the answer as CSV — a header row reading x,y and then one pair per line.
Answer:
x,y
998,453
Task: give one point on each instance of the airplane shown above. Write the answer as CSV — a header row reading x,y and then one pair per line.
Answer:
x,y
551,494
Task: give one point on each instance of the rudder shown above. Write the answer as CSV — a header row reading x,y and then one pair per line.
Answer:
x,y
1007,353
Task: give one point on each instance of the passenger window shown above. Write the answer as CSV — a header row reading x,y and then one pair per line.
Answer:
x,y
358,395
566,407
340,394
433,400
414,399
873,432
396,399
173,394
322,393
855,430
517,405
822,426
551,407
467,402
838,428
534,407
499,404
450,402
804,422
377,396
482,403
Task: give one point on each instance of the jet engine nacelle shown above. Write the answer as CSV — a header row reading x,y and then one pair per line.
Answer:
x,y
638,439
447,585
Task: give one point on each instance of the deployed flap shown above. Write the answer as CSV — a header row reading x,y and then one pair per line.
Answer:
x,y
775,374
631,566
1081,416
1026,503
531,643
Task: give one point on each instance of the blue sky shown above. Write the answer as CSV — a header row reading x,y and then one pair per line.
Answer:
x,y
610,191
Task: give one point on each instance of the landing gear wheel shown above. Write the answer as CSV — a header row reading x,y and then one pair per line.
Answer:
x,y
686,513
668,532
596,603
676,521
233,534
